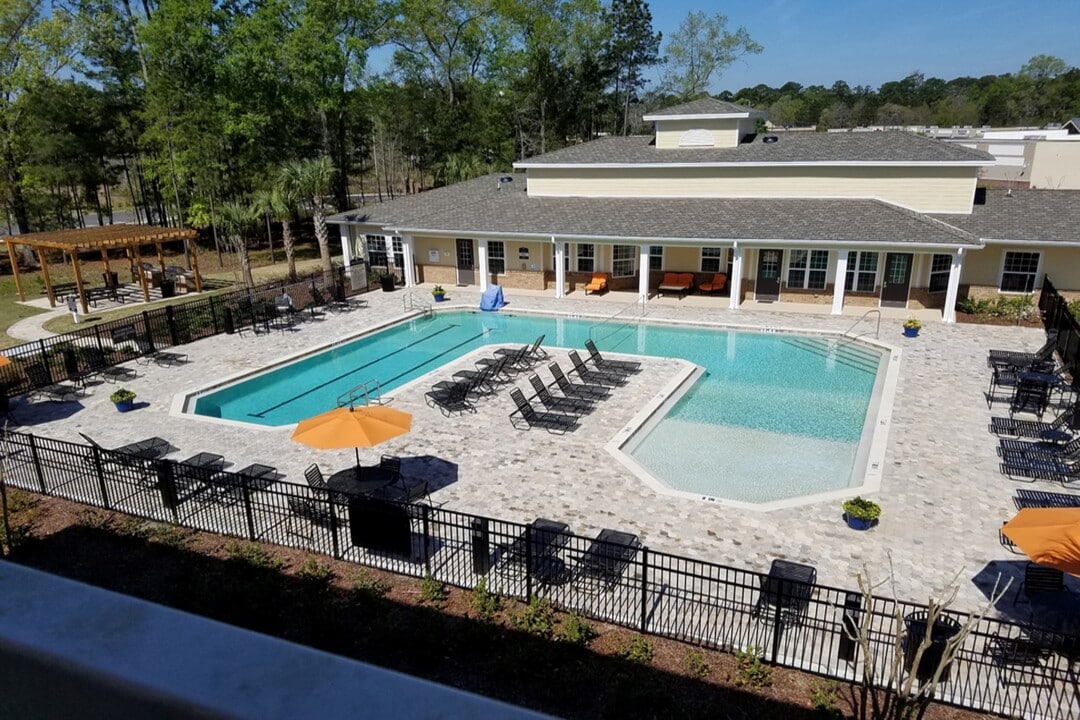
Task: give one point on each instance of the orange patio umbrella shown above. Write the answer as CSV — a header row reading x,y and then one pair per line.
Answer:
x,y
355,427
1049,536
4,361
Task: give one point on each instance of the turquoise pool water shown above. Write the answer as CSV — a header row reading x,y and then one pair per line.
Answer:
x,y
775,415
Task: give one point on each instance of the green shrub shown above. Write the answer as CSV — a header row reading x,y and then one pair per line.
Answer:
x,y
696,665
637,649
1074,308
368,584
750,671
975,306
432,592
825,697
536,618
315,573
485,605
576,630
1018,308
252,554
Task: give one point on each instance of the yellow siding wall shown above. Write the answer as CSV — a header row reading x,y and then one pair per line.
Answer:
x,y
725,132
937,189
1056,165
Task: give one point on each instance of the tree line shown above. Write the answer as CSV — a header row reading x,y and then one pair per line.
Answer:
x,y
215,112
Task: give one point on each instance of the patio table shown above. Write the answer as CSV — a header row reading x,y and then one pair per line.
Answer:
x,y
360,480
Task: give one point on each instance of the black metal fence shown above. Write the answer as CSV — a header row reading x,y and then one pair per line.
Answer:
x,y
73,354
1062,324
1000,667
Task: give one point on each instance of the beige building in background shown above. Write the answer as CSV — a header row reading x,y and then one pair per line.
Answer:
x,y
881,219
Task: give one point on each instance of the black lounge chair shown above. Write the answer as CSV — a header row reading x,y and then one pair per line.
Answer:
x,y
536,549
454,398
625,367
602,565
1012,427
571,405
479,383
1068,451
148,353
785,590
1032,466
46,389
140,455
1042,499
511,361
493,372
100,366
533,353
330,303
595,376
527,415
572,389
997,358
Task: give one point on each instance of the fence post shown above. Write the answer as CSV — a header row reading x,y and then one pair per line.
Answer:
x,y
148,331
246,494
170,323
427,534
36,460
528,562
644,586
167,487
778,621
213,314
334,545
100,470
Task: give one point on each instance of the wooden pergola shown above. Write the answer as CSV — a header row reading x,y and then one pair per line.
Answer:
x,y
100,239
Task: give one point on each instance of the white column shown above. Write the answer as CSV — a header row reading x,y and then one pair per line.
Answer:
x,y
410,264
643,274
481,259
839,280
560,268
949,313
346,246
736,276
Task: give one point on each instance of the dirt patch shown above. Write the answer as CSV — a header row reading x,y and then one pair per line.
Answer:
x,y
969,318
413,626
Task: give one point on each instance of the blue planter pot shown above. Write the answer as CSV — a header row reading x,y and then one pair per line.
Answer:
x,y
911,332
439,298
125,405
858,523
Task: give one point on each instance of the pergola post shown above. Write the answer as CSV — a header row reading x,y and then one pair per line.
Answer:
x,y
45,276
140,273
160,259
15,269
78,281
195,266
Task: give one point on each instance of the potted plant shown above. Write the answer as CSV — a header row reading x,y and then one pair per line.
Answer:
x,y
912,326
438,293
124,399
860,513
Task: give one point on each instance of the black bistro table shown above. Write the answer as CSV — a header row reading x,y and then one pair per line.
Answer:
x,y
360,480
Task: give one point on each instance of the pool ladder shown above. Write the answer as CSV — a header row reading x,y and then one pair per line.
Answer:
x,y
868,313
410,302
370,392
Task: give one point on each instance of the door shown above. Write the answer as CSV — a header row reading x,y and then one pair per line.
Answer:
x,y
897,279
466,274
767,285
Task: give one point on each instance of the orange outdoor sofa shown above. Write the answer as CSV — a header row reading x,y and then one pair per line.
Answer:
x,y
597,284
681,283
718,283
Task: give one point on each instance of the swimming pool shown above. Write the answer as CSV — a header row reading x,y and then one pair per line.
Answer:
x,y
799,401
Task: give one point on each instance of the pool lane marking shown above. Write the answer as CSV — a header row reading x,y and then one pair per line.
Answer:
x,y
403,348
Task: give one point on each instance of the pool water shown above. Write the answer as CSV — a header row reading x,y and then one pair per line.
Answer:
x,y
774,415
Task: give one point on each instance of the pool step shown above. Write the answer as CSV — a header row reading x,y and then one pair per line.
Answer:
x,y
841,351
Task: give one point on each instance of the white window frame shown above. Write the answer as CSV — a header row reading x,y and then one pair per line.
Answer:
x,y
806,269
939,272
376,245
719,258
623,266
590,258
854,269
496,257
655,256
1034,274
397,249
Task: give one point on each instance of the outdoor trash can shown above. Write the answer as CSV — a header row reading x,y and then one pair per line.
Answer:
x,y
943,629
387,282
168,288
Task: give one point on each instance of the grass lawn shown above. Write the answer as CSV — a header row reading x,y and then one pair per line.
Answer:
x,y
11,311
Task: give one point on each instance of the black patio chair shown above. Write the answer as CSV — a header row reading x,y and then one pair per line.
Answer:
x,y
305,509
314,477
1040,580
572,389
527,416
1032,397
786,590
591,375
392,463
625,367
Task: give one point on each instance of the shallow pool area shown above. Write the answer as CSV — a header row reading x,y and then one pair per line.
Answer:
x,y
771,416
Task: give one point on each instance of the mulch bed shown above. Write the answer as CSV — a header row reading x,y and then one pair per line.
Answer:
x,y
395,622
1032,322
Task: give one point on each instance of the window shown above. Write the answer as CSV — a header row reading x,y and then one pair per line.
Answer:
x,y
808,269
376,250
1019,271
712,259
656,257
622,260
940,266
399,252
497,257
861,272
586,254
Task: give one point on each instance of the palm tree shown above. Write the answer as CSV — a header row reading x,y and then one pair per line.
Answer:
x,y
238,220
310,180
279,203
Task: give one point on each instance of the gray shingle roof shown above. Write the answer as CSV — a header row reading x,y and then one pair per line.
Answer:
x,y
1026,215
791,147
704,106
477,207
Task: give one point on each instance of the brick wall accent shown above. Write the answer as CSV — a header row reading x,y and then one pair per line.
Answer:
x,y
522,279
437,274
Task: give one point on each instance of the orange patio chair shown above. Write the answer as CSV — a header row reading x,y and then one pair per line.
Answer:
x,y
718,283
597,284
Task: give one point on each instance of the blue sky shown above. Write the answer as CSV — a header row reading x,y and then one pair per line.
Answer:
x,y
868,42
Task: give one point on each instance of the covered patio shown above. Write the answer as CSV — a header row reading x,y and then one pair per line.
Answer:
x,y
102,240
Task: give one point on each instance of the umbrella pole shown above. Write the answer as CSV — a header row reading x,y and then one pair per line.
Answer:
x,y
357,450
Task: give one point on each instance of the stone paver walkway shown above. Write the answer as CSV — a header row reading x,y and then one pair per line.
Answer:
x,y
942,494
